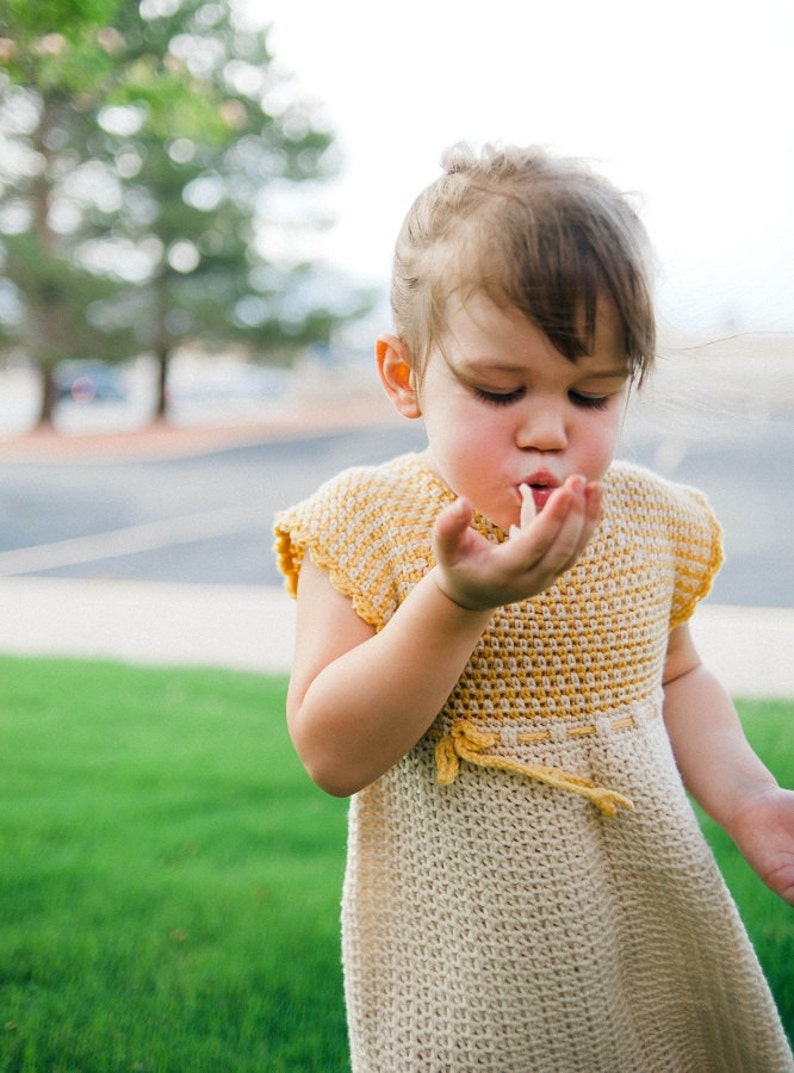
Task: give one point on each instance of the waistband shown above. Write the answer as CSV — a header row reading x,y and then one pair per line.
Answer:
x,y
465,741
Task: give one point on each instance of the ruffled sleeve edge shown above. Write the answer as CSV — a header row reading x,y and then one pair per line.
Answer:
x,y
290,549
705,578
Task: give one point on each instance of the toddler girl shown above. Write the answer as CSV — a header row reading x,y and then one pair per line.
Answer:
x,y
493,658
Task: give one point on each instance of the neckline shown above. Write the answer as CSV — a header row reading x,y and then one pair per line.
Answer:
x,y
482,524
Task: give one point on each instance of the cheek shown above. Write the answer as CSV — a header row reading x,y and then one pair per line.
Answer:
x,y
466,442
599,439
461,424
462,445
483,434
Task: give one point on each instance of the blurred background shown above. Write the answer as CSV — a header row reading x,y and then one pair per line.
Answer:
x,y
204,194
198,201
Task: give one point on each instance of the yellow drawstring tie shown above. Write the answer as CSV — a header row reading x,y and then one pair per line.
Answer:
x,y
466,742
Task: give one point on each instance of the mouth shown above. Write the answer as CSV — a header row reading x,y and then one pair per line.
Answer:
x,y
542,485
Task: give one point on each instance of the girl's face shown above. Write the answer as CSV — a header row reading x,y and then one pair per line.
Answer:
x,y
502,407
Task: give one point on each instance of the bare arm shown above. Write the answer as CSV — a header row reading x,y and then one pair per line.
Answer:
x,y
721,770
359,700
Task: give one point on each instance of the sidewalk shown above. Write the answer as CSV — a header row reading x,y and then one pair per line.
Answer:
x,y
251,628
302,416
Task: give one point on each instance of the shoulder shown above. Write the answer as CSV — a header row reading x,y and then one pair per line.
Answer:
x,y
672,527
352,523
388,479
629,485
362,498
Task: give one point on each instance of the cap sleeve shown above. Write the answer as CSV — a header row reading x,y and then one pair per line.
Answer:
x,y
698,549
368,528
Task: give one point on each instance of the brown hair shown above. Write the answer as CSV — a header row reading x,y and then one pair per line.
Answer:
x,y
539,233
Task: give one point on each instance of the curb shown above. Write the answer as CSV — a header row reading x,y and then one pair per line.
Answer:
x,y
252,628
163,440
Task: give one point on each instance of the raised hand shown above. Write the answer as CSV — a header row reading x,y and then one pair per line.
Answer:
x,y
477,574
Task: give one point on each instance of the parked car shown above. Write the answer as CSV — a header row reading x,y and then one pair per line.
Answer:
x,y
89,381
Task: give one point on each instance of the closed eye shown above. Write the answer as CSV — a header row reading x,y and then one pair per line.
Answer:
x,y
588,402
500,398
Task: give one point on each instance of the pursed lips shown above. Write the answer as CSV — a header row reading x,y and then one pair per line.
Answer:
x,y
543,485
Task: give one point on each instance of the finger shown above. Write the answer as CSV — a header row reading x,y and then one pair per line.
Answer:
x,y
564,526
583,512
528,510
572,521
451,525
569,525
548,520
577,530
594,501
593,509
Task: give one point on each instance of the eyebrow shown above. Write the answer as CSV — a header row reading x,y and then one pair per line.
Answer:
x,y
470,365
618,373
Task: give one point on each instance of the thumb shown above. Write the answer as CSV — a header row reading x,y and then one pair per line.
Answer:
x,y
451,525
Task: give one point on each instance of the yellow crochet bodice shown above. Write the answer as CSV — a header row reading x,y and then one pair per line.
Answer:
x,y
583,657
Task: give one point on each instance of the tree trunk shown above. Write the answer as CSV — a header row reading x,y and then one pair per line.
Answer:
x,y
161,403
49,397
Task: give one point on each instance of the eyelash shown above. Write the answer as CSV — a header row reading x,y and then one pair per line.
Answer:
x,y
589,402
497,399
585,402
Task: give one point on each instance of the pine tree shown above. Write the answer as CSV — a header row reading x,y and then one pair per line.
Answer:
x,y
148,147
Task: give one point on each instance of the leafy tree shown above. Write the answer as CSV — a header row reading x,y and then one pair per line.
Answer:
x,y
150,150
44,292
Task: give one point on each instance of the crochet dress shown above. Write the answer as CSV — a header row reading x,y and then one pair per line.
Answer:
x,y
528,889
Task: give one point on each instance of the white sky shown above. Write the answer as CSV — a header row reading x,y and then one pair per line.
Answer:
x,y
688,102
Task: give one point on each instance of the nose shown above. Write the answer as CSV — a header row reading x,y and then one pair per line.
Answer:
x,y
543,424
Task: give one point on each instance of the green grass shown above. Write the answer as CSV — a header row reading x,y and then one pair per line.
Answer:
x,y
169,877
769,920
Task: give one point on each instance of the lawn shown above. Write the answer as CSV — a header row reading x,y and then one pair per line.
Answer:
x,y
170,878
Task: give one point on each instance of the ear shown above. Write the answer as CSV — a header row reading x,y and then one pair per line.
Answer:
x,y
397,376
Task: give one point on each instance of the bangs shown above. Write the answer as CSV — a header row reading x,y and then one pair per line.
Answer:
x,y
556,267
541,234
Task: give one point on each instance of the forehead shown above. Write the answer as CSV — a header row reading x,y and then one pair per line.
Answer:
x,y
477,330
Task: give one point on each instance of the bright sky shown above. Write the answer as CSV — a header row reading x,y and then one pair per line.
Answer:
x,y
687,102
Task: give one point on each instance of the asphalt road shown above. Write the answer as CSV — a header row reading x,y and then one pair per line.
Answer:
x,y
202,519
207,518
